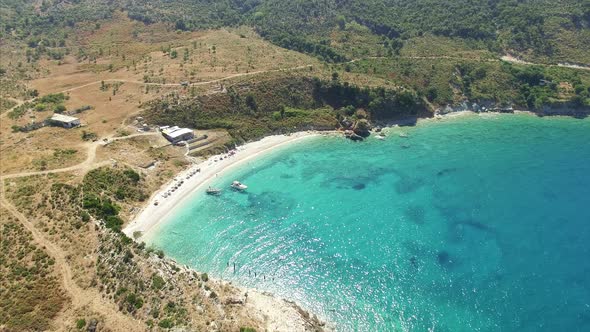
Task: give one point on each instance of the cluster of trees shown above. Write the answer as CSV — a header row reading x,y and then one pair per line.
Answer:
x,y
302,25
104,186
381,103
537,86
320,48
44,29
281,105
51,102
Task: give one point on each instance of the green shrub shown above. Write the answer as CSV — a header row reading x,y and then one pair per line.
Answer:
x,y
134,300
157,282
80,323
40,107
113,222
166,323
132,175
53,98
88,136
160,253
85,216
59,108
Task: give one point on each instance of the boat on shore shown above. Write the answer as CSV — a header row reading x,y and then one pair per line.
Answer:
x,y
213,191
237,185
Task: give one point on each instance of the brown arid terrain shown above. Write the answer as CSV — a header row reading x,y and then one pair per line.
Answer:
x,y
65,270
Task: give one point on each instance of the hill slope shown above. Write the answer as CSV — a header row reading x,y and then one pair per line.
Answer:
x,y
544,30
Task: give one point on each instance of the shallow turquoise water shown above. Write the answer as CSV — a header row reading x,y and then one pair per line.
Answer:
x,y
470,224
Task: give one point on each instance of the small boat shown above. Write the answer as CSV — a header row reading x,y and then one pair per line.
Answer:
x,y
213,191
239,186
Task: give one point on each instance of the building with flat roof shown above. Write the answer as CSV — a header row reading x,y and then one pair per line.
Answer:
x,y
65,121
176,134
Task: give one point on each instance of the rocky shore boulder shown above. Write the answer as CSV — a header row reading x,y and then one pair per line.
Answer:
x,y
346,123
352,135
362,128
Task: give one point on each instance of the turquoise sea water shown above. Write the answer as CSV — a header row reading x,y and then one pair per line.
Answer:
x,y
469,224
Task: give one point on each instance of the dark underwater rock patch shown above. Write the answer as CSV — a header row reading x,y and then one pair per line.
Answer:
x,y
359,186
416,214
272,204
446,171
458,229
408,185
444,258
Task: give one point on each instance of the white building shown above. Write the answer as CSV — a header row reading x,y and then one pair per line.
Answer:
x,y
176,134
64,121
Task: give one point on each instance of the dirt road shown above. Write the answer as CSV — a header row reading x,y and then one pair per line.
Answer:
x,y
114,319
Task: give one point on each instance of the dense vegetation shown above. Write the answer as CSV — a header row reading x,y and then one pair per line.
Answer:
x,y
386,38
537,28
103,187
282,105
449,81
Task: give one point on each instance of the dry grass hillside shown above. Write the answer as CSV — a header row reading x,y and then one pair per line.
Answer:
x,y
115,68
62,267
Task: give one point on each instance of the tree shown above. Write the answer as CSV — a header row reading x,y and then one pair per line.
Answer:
x,y
251,102
341,20
59,109
180,25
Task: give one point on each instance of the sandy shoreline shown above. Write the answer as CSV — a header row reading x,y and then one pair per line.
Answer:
x,y
279,314
151,215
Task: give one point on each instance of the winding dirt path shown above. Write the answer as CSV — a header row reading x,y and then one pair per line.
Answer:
x,y
114,319
18,103
513,59
80,298
84,166
189,84
506,58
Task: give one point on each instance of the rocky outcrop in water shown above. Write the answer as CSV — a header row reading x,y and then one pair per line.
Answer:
x,y
362,128
352,135
356,130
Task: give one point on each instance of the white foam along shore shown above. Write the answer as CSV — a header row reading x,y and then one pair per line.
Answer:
x,y
211,168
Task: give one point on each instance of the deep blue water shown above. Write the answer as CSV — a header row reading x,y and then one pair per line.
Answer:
x,y
469,224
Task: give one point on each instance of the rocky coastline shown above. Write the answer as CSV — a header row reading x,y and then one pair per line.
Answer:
x,y
359,128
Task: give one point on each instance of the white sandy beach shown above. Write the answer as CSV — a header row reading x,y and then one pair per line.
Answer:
x,y
153,214
278,314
